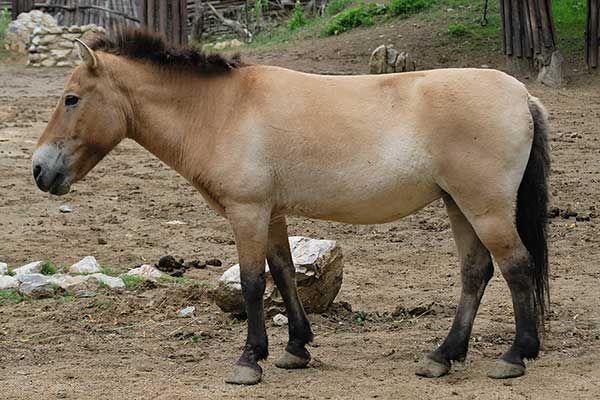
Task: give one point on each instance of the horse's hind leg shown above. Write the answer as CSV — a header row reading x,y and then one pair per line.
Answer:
x,y
283,272
499,233
476,271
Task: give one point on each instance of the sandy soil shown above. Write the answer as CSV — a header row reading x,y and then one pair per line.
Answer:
x,y
132,346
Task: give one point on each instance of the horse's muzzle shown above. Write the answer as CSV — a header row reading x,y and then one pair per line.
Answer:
x,y
50,170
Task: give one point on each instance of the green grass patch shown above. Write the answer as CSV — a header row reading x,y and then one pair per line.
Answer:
x,y
336,6
569,20
132,281
297,19
5,18
405,8
10,296
110,271
349,19
48,268
458,30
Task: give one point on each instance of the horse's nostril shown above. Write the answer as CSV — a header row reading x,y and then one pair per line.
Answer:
x,y
37,170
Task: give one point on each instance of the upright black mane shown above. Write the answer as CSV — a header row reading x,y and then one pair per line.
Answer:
x,y
141,45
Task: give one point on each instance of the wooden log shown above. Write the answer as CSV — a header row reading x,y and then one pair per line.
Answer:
x,y
162,17
548,39
526,29
175,35
516,29
594,33
534,26
508,28
151,20
502,18
143,13
183,21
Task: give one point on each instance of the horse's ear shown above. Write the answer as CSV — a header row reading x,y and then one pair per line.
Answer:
x,y
87,55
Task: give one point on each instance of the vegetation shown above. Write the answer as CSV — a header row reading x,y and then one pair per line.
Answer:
x,y
4,21
348,19
458,30
10,296
403,8
298,19
336,6
132,281
109,271
48,268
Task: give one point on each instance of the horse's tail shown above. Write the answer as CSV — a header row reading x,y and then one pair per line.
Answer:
x,y
532,208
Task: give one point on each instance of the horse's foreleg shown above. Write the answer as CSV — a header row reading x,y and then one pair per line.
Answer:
x,y
283,272
250,227
476,270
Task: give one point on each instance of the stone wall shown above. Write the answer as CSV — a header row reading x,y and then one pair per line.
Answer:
x,y
18,33
56,46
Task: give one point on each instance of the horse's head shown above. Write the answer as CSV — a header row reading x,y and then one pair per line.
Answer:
x,y
88,122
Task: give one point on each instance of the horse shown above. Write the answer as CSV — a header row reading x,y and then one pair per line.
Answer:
x,y
262,142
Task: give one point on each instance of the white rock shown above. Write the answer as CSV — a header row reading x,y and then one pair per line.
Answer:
x,y
31,268
67,281
60,54
48,63
88,265
176,222
65,64
319,273
280,320
8,282
187,312
35,285
110,281
146,271
65,208
3,269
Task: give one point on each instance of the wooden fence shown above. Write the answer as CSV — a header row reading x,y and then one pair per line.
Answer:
x,y
592,33
168,17
19,6
113,15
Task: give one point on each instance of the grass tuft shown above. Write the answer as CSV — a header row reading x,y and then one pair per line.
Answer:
x,y
48,268
132,281
10,296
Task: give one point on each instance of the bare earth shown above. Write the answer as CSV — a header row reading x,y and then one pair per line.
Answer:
x,y
132,345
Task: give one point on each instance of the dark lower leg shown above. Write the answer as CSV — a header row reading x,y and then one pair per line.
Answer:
x,y
256,348
299,329
475,276
284,275
518,275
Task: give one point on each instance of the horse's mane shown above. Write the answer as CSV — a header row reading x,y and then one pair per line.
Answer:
x,y
142,45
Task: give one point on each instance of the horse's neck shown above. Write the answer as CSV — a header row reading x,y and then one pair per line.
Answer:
x,y
172,117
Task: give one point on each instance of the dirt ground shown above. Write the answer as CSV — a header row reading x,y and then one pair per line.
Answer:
x,y
132,345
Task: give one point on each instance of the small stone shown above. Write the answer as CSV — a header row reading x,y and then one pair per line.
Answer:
x,y
65,64
3,268
101,241
47,39
280,320
176,222
187,312
75,29
8,282
66,44
48,63
31,268
88,265
65,208
60,54
214,262
67,281
145,271
85,293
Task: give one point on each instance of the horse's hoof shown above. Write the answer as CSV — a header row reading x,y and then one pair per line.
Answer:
x,y
504,369
244,375
430,368
290,361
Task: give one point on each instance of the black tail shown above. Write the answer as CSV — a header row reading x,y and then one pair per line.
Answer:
x,y
532,208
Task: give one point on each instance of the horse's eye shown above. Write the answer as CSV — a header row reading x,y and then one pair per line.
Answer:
x,y
71,100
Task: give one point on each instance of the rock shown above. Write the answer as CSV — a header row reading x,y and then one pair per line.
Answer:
x,y
280,320
75,29
214,262
378,61
8,282
60,54
146,271
3,269
65,208
88,265
392,55
110,281
67,281
187,312
31,268
85,293
171,266
18,33
67,44
319,273
35,285
48,63
66,64
551,73
47,39
405,62
235,43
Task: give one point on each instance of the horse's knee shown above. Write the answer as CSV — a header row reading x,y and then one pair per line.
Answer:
x,y
253,286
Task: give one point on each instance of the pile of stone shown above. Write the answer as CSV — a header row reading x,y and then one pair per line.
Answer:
x,y
56,47
83,276
319,274
18,33
387,60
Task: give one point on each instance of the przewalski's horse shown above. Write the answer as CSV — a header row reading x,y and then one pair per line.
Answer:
x,y
261,142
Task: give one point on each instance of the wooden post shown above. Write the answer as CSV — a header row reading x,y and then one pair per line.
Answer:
x,y
183,22
151,20
592,33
